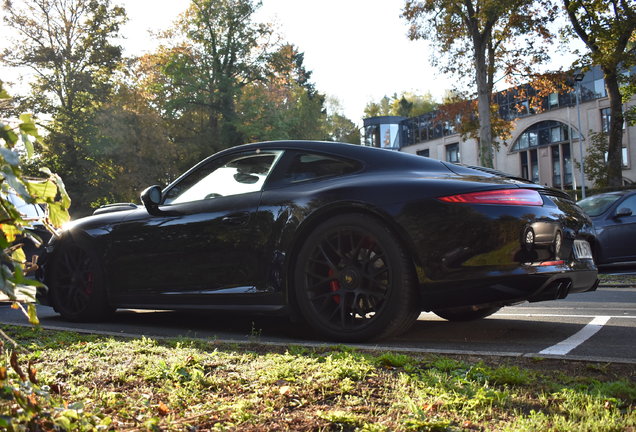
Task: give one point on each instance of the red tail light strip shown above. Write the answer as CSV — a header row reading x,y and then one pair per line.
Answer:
x,y
525,197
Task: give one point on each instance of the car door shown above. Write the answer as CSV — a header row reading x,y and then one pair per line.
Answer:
x,y
621,245
201,241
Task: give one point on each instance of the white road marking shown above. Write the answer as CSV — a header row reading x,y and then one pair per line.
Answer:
x,y
499,314
567,345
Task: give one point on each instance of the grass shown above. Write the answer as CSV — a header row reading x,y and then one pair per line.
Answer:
x,y
610,280
89,382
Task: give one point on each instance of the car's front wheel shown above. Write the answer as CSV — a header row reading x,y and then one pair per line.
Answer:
x,y
354,282
76,284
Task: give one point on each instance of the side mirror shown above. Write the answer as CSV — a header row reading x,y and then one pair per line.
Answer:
x,y
151,198
623,212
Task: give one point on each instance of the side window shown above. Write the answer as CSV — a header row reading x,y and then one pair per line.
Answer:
x,y
310,166
233,175
629,203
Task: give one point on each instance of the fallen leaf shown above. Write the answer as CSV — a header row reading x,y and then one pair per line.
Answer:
x,y
163,409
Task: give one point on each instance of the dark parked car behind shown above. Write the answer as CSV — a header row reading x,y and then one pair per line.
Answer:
x,y
356,241
614,218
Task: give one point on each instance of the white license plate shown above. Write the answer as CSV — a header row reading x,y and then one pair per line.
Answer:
x,y
582,249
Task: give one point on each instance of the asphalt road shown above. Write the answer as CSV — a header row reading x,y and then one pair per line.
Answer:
x,y
598,326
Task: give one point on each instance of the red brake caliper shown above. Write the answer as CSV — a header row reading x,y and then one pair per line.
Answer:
x,y
89,283
334,286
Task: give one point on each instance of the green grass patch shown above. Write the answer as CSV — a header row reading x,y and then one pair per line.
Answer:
x,y
81,382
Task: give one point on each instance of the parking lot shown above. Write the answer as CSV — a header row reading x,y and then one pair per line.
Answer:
x,y
598,326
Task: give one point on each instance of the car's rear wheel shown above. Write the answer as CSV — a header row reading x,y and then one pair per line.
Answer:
x,y
76,284
353,280
467,313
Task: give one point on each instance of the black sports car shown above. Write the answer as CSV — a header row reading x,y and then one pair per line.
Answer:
x,y
357,241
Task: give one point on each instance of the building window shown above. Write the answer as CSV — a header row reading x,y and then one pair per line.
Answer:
x,y
567,165
452,153
524,165
556,167
425,153
534,166
606,117
599,87
553,100
541,134
556,134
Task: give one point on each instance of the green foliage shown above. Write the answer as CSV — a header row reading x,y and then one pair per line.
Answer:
x,y
406,105
210,54
596,159
13,225
27,398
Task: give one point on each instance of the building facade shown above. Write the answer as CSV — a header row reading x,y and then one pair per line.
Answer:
x,y
546,146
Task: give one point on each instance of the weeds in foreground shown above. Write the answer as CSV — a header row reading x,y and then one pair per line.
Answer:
x,y
77,382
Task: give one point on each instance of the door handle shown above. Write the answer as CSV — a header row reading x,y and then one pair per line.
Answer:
x,y
236,218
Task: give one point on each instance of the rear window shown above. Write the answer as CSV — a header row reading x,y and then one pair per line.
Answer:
x,y
311,166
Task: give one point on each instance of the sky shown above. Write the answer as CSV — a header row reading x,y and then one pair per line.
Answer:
x,y
358,50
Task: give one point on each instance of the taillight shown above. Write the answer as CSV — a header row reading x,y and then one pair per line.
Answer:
x,y
502,197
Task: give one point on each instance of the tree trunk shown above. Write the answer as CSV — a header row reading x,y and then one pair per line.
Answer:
x,y
483,110
615,146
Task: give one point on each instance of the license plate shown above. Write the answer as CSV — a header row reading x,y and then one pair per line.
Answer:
x,y
582,249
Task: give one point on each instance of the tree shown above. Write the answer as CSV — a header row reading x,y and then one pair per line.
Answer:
x,y
214,50
339,127
477,40
595,159
285,104
608,29
68,45
135,150
406,104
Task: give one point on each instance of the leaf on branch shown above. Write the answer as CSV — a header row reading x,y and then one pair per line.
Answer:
x,y
32,314
15,366
32,374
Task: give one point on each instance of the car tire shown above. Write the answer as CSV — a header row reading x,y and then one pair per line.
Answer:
x,y
465,313
76,284
354,282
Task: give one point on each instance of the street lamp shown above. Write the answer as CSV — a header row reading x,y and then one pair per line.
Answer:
x,y
578,77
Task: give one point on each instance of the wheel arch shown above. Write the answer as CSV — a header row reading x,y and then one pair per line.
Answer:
x,y
315,219
82,239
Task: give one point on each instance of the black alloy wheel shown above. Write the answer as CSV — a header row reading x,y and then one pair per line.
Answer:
x,y
76,285
467,313
354,282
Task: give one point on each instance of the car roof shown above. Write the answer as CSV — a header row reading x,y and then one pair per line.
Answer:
x,y
375,158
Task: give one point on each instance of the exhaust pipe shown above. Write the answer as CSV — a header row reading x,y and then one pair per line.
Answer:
x,y
558,289
563,289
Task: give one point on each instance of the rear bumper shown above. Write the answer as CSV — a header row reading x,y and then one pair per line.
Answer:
x,y
533,283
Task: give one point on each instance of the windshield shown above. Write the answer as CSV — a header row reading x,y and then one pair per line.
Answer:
x,y
598,204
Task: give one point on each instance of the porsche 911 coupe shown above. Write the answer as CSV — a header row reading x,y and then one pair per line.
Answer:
x,y
356,241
